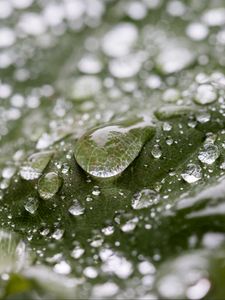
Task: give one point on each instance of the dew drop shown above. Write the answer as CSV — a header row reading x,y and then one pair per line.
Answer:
x,y
192,173
48,185
197,31
144,199
76,209
222,166
85,87
31,205
77,252
206,94
62,268
109,230
58,234
35,165
8,172
130,225
167,126
156,151
108,150
171,111
171,95
90,64
209,154
203,117
118,41
125,67
174,59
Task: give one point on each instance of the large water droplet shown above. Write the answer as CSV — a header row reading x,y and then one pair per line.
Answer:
x,y
108,150
209,154
49,185
144,199
35,165
192,173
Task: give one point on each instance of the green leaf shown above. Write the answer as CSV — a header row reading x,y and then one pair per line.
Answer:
x,y
131,91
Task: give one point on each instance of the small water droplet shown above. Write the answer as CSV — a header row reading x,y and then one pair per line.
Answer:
x,y
192,173
174,59
48,185
156,151
222,166
203,117
209,154
76,209
85,87
144,199
62,268
167,126
118,41
31,205
125,67
205,94
8,172
109,230
58,234
130,225
77,252
90,272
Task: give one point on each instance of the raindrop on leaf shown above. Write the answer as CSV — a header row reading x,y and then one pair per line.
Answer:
x,y
35,165
108,150
48,185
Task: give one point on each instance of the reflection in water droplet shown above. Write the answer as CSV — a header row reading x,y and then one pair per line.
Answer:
x,y
49,185
209,154
144,199
192,173
35,165
107,151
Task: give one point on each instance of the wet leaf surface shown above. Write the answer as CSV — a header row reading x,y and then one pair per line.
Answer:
x,y
80,81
